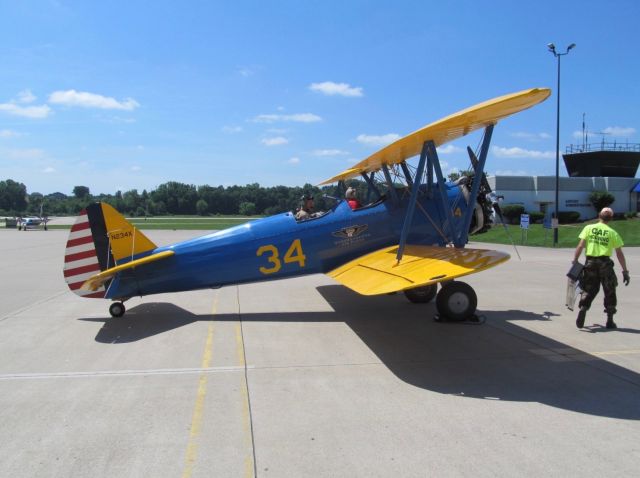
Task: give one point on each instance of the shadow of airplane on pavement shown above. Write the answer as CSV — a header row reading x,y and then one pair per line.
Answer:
x,y
497,361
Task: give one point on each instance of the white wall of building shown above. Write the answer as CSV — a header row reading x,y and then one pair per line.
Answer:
x,y
534,191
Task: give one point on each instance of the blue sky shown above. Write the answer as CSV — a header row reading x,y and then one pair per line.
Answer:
x,y
123,95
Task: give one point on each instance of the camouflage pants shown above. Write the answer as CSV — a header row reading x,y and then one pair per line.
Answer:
x,y
599,271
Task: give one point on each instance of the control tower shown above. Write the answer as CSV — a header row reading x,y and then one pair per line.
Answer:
x,y
602,159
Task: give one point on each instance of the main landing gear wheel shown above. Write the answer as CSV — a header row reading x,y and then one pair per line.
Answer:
x,y
117,309
422,295
456,301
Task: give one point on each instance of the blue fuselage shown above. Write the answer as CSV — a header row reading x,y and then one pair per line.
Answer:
x,y
279,246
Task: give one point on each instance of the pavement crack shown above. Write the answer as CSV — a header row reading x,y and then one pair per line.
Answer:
x,y
243,360
31,305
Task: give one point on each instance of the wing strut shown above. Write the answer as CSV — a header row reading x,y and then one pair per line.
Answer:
x,y
407,173
475,187
442,189
372,186
392,189
412,201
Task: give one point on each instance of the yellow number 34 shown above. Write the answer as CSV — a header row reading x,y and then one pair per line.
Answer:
x,y
293,254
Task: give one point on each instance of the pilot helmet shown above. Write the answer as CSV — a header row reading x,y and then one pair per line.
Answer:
x,y
350,193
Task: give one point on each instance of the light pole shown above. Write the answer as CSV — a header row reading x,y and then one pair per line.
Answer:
x,y
552,49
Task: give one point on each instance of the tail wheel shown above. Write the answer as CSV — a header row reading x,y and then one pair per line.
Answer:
x,y
421,295
457,301
117,309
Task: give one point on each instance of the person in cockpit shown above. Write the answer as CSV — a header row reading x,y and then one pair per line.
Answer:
x,y
352,198
306,210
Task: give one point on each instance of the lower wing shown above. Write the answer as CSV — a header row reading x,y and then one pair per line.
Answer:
x,y
380,273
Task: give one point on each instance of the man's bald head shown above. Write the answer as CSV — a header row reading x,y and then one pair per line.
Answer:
x,y
606,214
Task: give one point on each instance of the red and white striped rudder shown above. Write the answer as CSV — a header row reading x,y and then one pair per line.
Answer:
x,y
81,258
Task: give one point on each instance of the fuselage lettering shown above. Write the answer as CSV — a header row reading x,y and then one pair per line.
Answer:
x,y
120,235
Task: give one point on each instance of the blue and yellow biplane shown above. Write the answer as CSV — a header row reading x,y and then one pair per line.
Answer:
x,y
409,236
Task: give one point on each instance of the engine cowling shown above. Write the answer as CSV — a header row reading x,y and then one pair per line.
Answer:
x,y
483,208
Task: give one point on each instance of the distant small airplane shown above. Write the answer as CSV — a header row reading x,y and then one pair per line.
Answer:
x,y
409,234
32,222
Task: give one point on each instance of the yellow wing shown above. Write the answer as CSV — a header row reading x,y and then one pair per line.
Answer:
x,y
447,129
379,272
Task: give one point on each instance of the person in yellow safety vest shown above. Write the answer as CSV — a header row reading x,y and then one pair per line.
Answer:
x,y
599,241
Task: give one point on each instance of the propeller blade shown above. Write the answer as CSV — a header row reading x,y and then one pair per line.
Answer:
x,y
474,162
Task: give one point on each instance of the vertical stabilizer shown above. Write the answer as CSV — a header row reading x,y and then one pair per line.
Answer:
x,y
99,239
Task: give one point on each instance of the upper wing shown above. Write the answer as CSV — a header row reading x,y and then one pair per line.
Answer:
x,y
447,129
380,273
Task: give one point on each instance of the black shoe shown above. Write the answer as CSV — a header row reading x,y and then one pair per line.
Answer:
x,y
581,316
611,324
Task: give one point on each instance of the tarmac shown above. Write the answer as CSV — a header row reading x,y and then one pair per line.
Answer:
x,y
303,377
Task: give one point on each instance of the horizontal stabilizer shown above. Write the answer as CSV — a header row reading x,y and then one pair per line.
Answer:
x,y
96,281
380,273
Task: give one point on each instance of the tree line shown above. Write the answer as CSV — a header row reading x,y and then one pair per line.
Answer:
x,y
171,198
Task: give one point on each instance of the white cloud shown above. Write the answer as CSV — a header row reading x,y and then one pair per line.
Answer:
x,y
449,149
619,131
245,71
7,133
232,129
380,140
91,100
531,136
297,118
330,88
25,96
136,168
328,152
294,161
277,141
34,112
26,154
521,153
614,131
48,170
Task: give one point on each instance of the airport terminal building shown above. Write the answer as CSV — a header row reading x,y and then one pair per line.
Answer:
x,y
602,167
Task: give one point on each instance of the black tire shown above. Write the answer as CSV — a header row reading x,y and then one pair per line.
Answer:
x,y
457,301
422,295
117,309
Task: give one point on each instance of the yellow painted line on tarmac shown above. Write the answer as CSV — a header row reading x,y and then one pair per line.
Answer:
x,y
246,416
196,419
